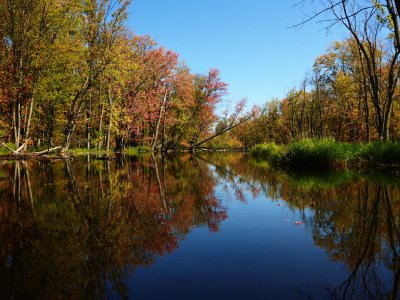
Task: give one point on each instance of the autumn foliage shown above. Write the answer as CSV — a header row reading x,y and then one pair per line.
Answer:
x,y
73,75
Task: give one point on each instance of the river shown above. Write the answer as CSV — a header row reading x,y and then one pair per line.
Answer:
x,y
210,226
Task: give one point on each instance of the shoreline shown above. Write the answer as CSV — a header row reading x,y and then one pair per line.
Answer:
x,y
329,155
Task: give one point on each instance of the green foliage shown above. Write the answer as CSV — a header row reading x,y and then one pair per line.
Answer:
x,y
325,154
319,153
270,151
136,151
129,151
4,151
381,152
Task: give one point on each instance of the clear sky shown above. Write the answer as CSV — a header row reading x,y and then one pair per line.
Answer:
x,y
247,40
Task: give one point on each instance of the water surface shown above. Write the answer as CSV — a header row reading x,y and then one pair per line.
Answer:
x,y
210,226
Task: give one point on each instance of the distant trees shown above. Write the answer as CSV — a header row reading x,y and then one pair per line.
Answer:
x,y
352,92
375,32
337,99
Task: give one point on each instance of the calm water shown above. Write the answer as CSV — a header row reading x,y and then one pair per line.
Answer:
x,y
214,226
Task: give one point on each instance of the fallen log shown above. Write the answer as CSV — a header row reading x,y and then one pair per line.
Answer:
x,y
19,154
48,151
18,151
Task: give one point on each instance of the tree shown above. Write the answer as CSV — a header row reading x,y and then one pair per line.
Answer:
x,y
102,24
374,26
28,31
209,91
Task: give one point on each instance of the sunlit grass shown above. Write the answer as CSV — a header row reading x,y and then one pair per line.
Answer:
x,y
270,151
129,151
4,151
137,150
320,153
328,154
83,151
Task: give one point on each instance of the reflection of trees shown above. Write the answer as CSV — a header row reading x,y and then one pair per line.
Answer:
x,y
76,230
365,235
355,218
229,168
80,229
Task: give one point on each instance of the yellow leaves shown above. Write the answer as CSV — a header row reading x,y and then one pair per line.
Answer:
x,y
345,88
378,5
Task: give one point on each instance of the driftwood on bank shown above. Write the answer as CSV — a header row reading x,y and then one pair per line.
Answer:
x,y
20,154
14,152
48,151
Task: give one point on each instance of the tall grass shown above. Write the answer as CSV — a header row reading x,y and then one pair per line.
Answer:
x,y
386,153
319,154
271,152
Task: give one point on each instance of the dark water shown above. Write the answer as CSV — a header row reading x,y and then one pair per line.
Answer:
x,y
214,226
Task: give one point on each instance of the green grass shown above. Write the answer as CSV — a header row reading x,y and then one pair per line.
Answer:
x,y
83,151
137,150
4,151
322,154
129,151
271,152
387,153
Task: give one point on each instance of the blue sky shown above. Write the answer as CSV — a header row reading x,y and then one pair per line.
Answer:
x,y
247,40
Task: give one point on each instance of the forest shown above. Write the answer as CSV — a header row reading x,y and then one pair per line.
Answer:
x,y
211,179
352,91
72,75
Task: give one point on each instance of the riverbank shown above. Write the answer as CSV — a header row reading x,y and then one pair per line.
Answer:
x,y
129,151
327,154
10,153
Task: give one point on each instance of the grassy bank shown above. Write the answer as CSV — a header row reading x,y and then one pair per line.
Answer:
x,y
129,151
329,154
82,151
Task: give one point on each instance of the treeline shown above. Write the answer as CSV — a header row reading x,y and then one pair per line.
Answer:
x,y
73,75
352,93
334,100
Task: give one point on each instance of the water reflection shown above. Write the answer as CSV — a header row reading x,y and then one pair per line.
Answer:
x,y
77,230
355,218
81,229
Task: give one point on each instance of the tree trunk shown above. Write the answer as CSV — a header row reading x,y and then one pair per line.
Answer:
x,y
88,124
110,101
162,108
100,137
197,144
28,123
